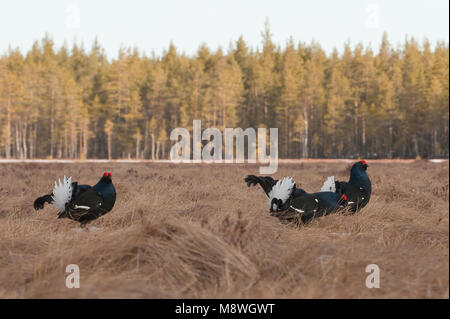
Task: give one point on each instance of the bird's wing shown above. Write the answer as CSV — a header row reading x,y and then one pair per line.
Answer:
x,y
340,187
89,198
80,189
329,201
301,209
298,192
87,203
357,197
266,182
307,202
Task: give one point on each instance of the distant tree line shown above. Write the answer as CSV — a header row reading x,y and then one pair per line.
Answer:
x,y
79,104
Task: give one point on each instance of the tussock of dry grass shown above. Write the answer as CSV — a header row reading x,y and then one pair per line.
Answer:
x,y
198,232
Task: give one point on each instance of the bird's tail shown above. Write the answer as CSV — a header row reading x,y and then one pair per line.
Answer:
x,y
266,182
281,192
62,193
329,185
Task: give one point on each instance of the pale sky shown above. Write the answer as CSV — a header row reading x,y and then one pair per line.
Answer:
x,y
152,25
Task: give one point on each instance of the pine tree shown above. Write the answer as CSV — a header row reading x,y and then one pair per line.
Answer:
x,y
287,109
73,103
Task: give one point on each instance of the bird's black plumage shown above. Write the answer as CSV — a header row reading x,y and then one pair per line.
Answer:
x,y
87,202
353,195
307,206
317,204
267,183
359,187
300,205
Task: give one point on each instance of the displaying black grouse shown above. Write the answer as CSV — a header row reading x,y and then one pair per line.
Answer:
x,y
81,203
286,198
358,189
288,202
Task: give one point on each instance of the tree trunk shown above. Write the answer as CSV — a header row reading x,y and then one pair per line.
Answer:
x,y
52,123
153,147
266,110
31,153
364,136
8,130
85,140
435,143
157,150
416,145
390,141
355,148
73,141
145,151
286,131
224,115
33,143
138,142
305,136
19,153
109,145
24,140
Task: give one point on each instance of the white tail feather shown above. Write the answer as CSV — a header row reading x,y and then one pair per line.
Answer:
x,y
282,190
62,193
329,185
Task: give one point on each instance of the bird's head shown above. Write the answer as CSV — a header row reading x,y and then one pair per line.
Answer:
x,y
361,165
276,205
106,178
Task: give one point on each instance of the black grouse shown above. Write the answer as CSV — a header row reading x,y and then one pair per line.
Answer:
x,y
354,194
81,203
358,189
287,202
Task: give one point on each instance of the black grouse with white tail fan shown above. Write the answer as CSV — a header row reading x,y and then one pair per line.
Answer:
x,y
82,203
357,190
289,203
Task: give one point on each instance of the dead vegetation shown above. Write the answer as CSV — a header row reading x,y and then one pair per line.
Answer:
x,y
197,231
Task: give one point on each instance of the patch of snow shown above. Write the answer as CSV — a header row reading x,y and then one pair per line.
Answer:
x,y
437,160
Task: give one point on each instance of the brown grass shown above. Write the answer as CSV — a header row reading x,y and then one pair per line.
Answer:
x,y
197,231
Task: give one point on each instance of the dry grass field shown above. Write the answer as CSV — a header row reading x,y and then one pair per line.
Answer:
x,y
198,231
